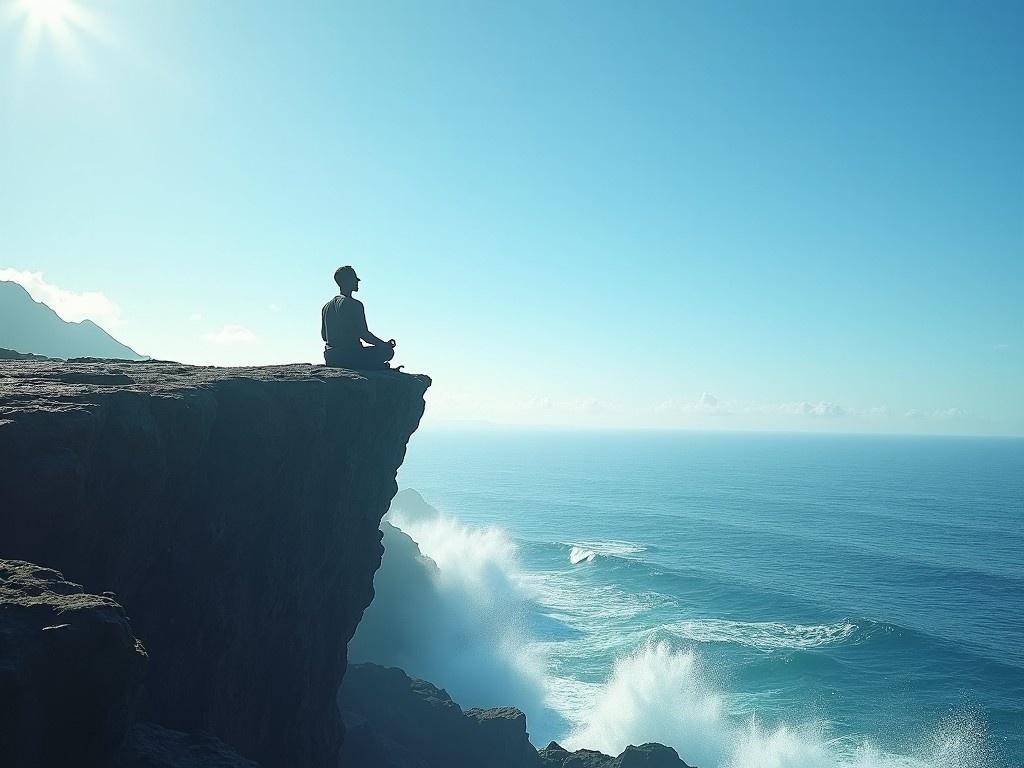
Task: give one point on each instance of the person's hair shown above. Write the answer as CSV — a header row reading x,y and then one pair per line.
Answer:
x,y
344,275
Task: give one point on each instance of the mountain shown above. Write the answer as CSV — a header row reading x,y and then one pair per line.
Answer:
x,y
29,326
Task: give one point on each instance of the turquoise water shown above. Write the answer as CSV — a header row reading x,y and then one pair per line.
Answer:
x,y
752,600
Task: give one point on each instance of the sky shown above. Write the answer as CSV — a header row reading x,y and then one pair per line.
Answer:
x,y
706,215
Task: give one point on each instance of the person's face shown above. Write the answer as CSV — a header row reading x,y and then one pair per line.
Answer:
x,y
355,283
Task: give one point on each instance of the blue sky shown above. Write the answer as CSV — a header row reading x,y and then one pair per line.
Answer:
x,y
710,215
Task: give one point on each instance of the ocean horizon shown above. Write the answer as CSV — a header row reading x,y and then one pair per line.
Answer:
x,y
751,599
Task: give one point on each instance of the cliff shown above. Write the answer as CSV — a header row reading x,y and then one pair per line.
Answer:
x,y
234,512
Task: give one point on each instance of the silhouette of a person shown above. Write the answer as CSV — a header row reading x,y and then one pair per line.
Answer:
x,y
343,329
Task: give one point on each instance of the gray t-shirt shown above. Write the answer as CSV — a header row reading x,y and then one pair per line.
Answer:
x,y
343,321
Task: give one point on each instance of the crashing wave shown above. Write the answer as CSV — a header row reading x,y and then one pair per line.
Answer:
x,y
588,551
579,555
658,693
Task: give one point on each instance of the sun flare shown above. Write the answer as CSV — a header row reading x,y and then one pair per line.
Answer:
x,y
49,13
54,23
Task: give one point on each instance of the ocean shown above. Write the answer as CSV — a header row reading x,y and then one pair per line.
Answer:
x,y
753,600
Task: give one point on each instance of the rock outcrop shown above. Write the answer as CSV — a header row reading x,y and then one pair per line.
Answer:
x,y
10,354
70,670
643,756
235,514
398,722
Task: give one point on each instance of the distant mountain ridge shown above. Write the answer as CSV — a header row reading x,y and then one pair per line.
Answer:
x,y
31,327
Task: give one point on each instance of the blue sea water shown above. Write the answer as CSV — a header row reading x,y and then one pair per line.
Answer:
x,y
754,600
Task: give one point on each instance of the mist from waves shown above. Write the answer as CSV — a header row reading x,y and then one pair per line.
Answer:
x,y
451,607
468,624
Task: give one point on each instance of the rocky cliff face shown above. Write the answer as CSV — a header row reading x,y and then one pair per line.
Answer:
x,y
234,512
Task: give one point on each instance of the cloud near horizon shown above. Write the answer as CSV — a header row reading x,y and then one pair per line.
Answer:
x,y
231,334
823,409
72,306
704,412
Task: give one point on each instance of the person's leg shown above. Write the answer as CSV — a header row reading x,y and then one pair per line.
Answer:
x,y
363,359
375,358
332,359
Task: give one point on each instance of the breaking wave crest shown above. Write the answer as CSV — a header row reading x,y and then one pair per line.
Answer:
x,y
588,551
579,555
765,636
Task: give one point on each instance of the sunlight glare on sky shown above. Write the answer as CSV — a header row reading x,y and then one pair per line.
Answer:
x,y
59,22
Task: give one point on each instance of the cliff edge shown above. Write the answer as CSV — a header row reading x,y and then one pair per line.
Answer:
x,y
233,511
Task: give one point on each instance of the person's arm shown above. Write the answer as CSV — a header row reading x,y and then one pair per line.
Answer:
x,y
323,324
364,332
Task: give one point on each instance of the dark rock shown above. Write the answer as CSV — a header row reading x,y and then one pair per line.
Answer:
x,y
410,505
235,513
150,746
365,746
501,734
10,354
404,599
649,756
398,716
644,756
70,671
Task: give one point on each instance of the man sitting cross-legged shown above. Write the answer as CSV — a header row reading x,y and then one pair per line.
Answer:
x,y
343,329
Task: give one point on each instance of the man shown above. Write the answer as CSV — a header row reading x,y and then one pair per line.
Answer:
x,y
343,329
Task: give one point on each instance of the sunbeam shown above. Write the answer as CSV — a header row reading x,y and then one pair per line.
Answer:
x,y
57,22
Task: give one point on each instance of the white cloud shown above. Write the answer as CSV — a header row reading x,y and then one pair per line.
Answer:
x,y
274,307
708,402
195,317
231,334
821,408
69,305
940,414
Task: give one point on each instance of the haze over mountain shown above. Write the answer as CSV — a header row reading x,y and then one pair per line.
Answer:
x,y
29,326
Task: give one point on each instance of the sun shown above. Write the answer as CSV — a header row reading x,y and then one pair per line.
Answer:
x,y
54,23
48,13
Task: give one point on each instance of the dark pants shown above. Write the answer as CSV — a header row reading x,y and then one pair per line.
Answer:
x,y
363,359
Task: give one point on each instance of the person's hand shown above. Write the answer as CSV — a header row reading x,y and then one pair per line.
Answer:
x,y
392,342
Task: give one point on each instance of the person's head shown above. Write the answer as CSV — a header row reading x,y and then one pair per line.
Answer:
x,y
347,279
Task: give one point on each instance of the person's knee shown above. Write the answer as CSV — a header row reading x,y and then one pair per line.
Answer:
x,y
389,352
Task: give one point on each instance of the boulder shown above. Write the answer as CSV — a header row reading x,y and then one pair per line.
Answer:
x,y
649,756
70,671
644,756
413,723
